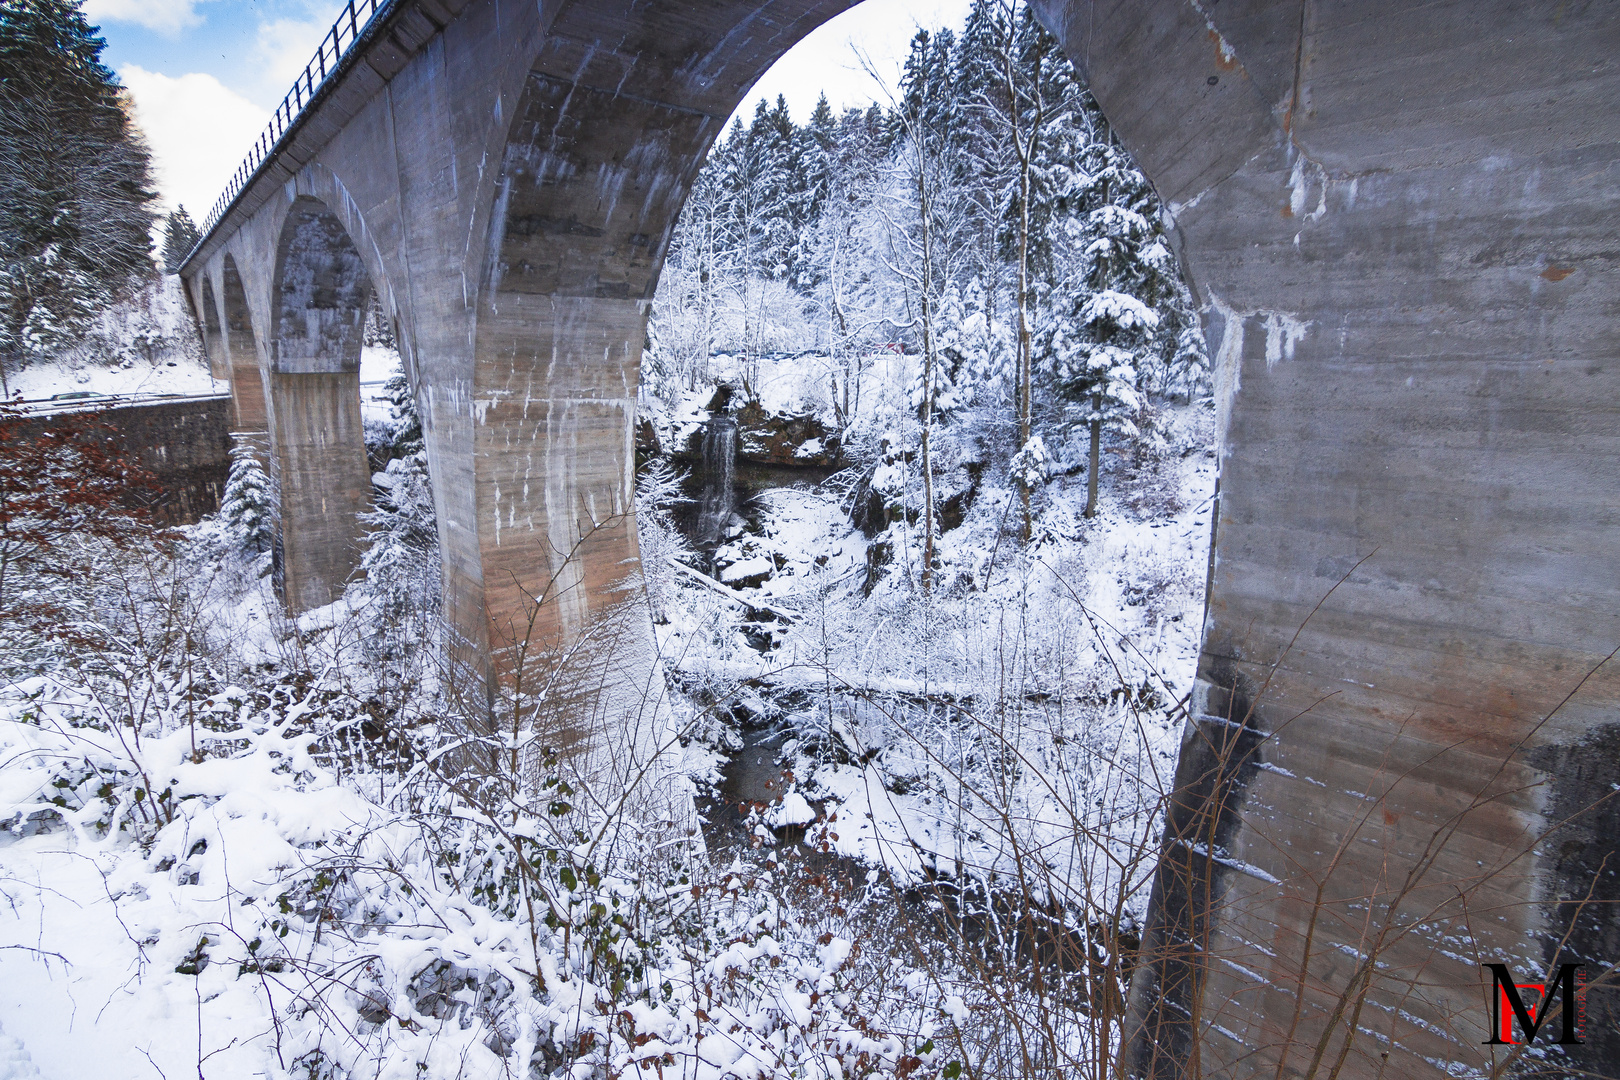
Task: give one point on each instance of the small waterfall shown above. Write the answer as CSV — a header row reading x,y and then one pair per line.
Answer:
x,y
718,501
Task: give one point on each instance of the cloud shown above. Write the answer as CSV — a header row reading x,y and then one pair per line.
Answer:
x,y
284,46
198,131
164,16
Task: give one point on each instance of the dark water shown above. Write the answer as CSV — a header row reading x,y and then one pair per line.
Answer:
x,y
957,914
753,777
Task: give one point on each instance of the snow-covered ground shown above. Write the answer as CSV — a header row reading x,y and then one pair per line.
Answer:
x,y
378,363
146,345
219,868
268,914
899,708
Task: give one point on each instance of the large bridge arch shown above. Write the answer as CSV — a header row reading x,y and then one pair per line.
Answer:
x,y
601,150
1400,221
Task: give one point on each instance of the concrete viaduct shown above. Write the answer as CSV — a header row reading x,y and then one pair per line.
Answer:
x,y
1403,223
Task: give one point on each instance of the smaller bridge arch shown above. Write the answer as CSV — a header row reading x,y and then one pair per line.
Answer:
x,y
242,353
219,366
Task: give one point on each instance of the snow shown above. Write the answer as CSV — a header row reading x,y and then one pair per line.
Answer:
x,y
378,363
747,568
122,921
1121,309
792,810
110,362
186,378
15,1061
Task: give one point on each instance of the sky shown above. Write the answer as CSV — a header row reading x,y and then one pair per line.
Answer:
x,y
206,74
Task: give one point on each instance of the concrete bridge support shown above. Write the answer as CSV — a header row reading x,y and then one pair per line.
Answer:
x,y
317,433
1400,220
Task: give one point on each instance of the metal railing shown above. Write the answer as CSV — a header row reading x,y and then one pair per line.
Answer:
x,y
351,24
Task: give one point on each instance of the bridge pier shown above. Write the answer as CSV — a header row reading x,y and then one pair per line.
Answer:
x,y
320,469
219,366
317,435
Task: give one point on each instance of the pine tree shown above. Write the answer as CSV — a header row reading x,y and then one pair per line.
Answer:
x,y
962,360
75,222
1101,333
1118,235
782,198
248,505
979,157
179,237
818,142
406,433
925,91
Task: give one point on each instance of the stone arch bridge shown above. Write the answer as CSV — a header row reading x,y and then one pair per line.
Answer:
x,y
1403,224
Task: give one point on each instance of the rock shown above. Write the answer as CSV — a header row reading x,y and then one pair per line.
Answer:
x,y
784,439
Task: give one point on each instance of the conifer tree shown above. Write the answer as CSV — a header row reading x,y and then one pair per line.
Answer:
x,y
179,237
817,144
962,357
406,427
248,505
783,198
75,221
1101,332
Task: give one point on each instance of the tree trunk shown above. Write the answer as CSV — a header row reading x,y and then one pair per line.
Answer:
x,y
1024,145
926,306
1095,465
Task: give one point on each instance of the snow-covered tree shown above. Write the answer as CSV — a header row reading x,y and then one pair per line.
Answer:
x,y
179,237
75,222
1094,350
927,212
405,428
850,302
1118,235
401,560
248,506
963,357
